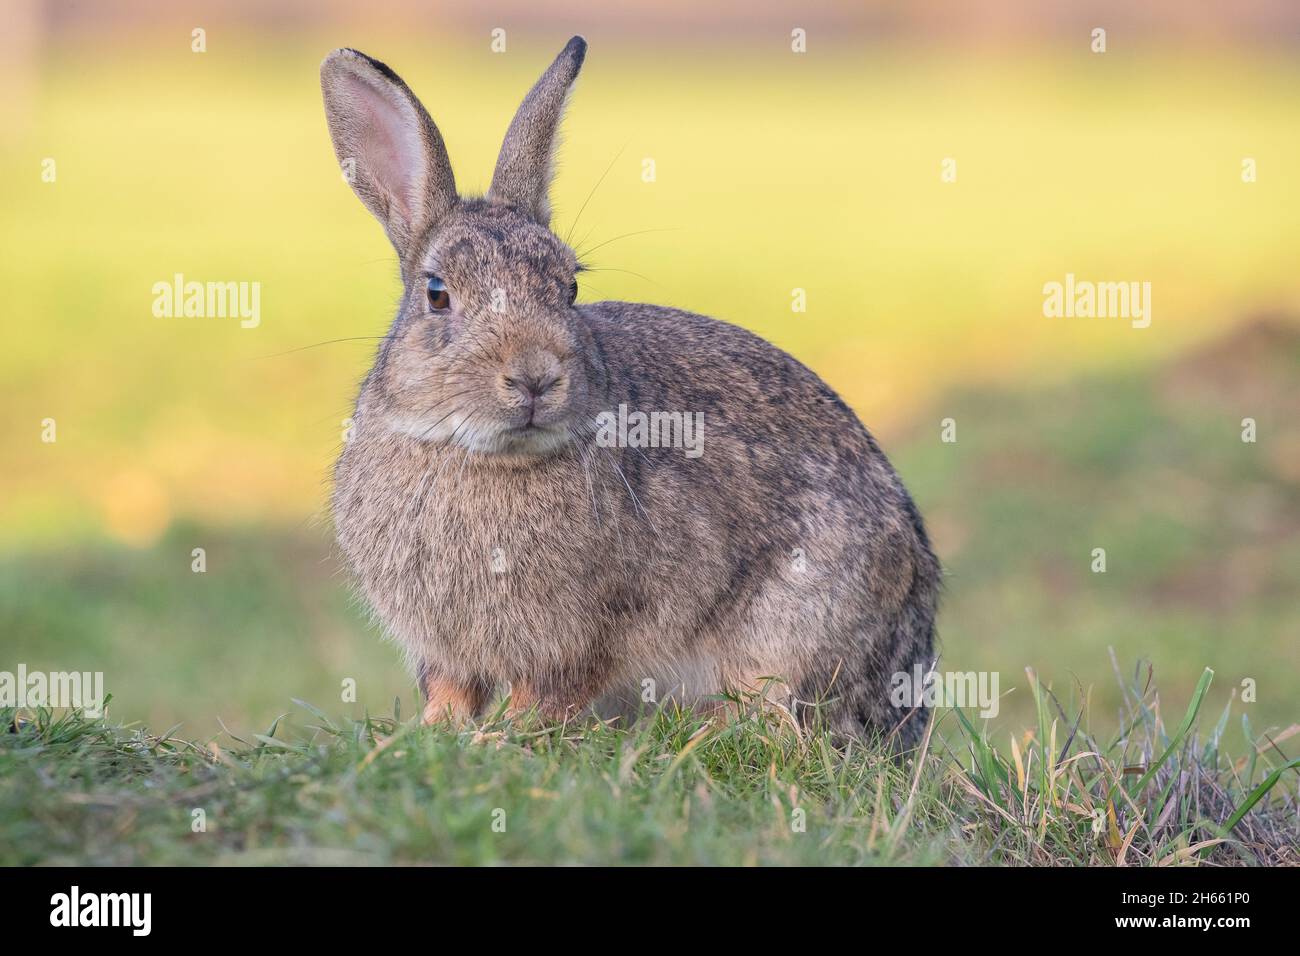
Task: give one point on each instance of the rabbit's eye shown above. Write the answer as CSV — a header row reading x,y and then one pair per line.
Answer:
x,y
439,297
573,292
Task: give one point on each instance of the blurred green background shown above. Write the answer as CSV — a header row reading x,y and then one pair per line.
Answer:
x,y
774,171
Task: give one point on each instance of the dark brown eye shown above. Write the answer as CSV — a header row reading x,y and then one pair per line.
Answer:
x,y
573,292
439,297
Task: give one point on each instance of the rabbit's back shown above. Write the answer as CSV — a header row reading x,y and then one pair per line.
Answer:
x,y
778,442
830,580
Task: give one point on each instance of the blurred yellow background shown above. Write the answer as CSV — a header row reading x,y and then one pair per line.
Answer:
x,y
774,171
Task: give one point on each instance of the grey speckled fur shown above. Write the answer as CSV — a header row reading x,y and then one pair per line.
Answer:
x,y
500,544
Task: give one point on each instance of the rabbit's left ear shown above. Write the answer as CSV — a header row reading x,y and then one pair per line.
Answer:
x,y
524,168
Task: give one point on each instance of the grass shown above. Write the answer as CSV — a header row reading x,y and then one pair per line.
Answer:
x,y
672,789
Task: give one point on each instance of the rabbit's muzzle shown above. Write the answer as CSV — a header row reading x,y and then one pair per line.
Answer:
x,y
530,391
533,388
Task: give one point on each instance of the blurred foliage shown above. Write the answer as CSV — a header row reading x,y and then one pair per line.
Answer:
x,y
773,172
1201,530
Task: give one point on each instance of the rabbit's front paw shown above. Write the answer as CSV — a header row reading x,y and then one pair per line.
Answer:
x,y
450,702
551,708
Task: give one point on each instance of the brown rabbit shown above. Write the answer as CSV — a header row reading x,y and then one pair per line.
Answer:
x,y
511,517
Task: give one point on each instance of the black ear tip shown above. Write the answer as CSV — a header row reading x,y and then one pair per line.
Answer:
x,y
577,49
348,53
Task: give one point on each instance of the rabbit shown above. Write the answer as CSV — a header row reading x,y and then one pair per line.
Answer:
x,y
505,547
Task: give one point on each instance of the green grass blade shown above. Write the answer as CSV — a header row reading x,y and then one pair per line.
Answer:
x,y
1258,794
1198,695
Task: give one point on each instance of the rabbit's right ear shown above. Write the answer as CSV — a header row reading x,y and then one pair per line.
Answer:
x,y
388,147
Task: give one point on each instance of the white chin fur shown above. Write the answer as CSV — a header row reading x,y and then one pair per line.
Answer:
x,y
489,439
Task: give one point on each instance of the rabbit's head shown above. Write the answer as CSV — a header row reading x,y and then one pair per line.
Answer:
x,y
487,351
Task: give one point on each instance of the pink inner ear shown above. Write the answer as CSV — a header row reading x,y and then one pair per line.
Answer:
x,y
389,143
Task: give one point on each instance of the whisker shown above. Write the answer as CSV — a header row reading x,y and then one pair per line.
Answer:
x,y
351,338
586,471
602,292
625,272
583,207
427,432
626,235
635,501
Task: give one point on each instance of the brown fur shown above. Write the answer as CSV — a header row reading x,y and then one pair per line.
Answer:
x,y
452,700
496,553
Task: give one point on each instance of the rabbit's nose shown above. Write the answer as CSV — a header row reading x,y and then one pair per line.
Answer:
x,y
532,388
